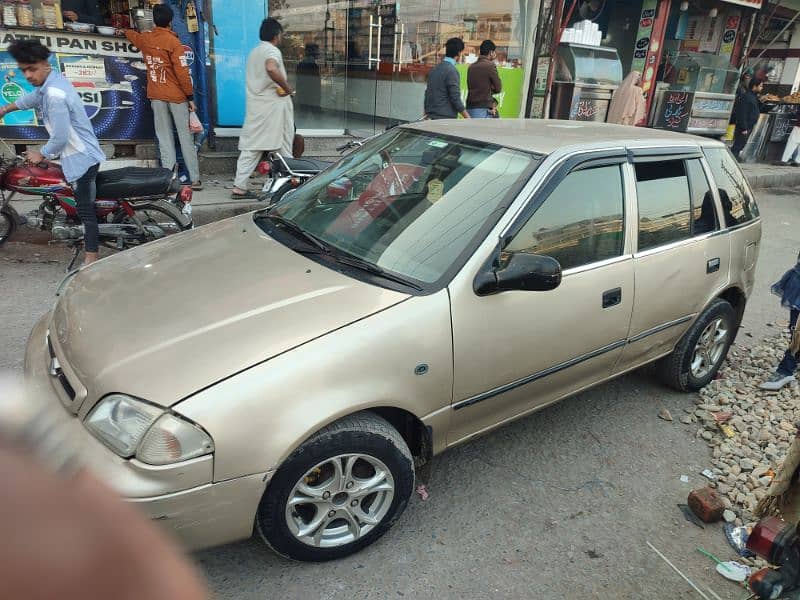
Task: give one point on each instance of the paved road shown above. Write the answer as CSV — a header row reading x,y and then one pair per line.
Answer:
x,y
557,505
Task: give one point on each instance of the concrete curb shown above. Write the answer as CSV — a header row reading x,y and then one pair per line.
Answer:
x,y
774,180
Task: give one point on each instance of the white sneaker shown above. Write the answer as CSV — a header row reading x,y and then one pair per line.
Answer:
x,y
777,381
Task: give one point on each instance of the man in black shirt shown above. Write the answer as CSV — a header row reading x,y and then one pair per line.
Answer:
x,y
747,111
81,11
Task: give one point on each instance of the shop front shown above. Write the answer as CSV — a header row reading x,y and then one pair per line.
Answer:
x,y
361,65
687,53
107,71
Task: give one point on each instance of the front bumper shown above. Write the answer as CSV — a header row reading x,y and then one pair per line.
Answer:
x,y
183,497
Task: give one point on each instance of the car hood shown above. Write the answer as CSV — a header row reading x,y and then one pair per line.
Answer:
x,y
169,318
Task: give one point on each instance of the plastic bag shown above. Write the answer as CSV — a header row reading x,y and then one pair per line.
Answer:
x,y
195,126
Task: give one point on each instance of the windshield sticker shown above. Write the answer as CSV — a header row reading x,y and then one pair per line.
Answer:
x,y
437,144
435,190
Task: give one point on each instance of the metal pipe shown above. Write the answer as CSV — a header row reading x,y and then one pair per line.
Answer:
x,y
789,24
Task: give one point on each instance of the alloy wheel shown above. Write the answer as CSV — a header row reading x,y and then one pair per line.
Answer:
x,y
340,500
710,348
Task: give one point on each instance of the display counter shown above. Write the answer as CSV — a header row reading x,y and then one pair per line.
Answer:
x,y
700,94
768,139
585,79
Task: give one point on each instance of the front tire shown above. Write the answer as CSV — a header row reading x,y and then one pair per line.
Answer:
x,y
339,491
700,352
8,224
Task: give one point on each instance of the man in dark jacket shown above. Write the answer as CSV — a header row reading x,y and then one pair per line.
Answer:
x,y
747,112
483,83
443,94
82,11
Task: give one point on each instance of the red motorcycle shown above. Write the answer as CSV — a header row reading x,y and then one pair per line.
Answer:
x,y
134,205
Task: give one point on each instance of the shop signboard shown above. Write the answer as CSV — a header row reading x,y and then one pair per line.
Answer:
x,y
673,112
542,71
729,35
782,127
712,34
108,74
647,19
588,109
509,101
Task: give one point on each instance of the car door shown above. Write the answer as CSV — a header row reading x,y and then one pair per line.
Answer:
x,y
681,260
517,350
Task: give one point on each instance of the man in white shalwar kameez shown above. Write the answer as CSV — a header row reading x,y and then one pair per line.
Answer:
x,y
269,115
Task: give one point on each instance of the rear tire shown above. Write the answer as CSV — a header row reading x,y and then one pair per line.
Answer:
x,y
702,349
357,475
150,217
8,225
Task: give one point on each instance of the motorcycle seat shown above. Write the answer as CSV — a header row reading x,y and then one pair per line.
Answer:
x,y
133,182
307,165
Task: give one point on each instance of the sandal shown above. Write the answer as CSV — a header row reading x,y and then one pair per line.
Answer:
x,y
197,186
245,196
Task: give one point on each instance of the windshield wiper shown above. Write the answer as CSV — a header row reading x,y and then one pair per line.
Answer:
x,y
372,268
321,247
298,231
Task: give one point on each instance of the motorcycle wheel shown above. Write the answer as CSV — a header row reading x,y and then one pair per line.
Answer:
x,y
8,224
150,217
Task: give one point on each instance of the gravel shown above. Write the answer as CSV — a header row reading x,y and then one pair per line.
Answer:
x,y
761,425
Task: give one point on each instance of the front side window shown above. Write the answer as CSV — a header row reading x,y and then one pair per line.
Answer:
x,y
410,202
580,222
738,204
662,189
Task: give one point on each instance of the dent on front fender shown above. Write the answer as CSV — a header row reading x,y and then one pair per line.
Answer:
x,y
258,417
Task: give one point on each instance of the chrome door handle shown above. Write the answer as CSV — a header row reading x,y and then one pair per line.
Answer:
x,y
378,26
398,56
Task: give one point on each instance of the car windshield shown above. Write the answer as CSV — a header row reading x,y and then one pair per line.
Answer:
x,y
408,202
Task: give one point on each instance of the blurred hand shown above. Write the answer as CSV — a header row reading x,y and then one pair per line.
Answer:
x,y
70,15
33,157
90,544
192,106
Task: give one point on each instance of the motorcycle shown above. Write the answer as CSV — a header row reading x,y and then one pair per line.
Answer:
x,y
778,543
286,174
134,205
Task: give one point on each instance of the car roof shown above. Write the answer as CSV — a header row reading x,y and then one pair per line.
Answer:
x,y
544,136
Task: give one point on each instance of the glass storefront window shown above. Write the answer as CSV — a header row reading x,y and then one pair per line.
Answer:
x,y
360,65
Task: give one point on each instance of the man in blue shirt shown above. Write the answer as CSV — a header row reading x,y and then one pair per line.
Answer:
x,y
443,94
72,138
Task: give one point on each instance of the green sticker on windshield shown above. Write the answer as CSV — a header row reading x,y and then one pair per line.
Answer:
x,y
437,144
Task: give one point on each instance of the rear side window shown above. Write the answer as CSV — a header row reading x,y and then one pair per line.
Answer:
x,y
738,204
662,189
704,215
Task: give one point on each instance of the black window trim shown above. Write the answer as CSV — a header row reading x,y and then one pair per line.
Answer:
x,y
717,214
574,162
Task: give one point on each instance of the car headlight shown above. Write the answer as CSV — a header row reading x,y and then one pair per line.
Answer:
x,y
131,427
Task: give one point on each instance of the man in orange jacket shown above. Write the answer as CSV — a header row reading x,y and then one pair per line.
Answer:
x,y
169,87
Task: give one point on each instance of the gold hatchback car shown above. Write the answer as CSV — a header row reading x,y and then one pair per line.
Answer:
x,y
289,371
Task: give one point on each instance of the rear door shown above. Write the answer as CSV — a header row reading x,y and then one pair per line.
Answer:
x,y
681,259
740,215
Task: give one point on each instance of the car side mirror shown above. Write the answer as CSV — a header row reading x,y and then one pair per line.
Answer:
x,y
519,271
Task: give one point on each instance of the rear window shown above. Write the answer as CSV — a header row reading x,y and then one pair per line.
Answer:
x,y
662,189
738,204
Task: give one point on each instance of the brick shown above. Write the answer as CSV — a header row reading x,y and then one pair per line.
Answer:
x,y
707,504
